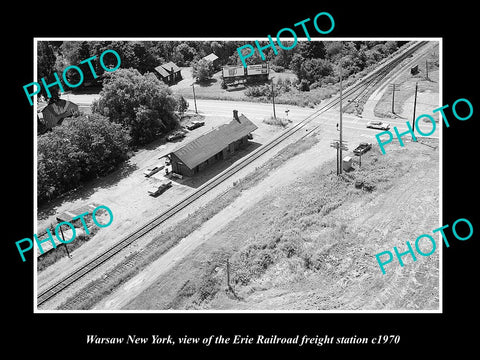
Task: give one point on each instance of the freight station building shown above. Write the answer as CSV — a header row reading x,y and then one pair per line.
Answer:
x,y
215,145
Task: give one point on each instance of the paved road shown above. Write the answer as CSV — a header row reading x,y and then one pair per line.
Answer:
x,y
251,110
219,107
259,111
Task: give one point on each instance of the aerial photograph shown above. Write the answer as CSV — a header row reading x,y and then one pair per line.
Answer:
x,y
177,175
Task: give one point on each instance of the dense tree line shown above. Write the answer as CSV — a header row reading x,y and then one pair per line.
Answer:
x,y
312,61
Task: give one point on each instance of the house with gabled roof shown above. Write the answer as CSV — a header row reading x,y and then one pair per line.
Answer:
x,y
215,145
169,73
213,59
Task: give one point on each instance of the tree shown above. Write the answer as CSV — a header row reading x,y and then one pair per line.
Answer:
x,y
141,103
182,104
334,49
134,54
83,148
311,70
296,63
46,67
202,70
183,54
312,49
73,53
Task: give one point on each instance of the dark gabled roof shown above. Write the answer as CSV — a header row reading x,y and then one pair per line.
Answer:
x,y
164,69
169,65
207,145
161,71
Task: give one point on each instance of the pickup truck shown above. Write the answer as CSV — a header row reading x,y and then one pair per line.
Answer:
x,y
362,148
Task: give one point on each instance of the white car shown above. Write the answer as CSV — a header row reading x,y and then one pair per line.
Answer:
x,y
378,125
152,170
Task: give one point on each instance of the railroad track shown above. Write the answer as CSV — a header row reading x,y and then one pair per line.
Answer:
x,y
367,82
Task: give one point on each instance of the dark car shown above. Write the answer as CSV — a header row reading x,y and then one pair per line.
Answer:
x,y
176,135
362,148
195,124
158,189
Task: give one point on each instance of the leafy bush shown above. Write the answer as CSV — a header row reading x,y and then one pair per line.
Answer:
x,y
182,104
208,287
276,121
259,90
283,85
202,70
303,85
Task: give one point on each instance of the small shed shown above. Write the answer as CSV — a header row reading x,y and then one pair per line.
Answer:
x,y
169,73
212,58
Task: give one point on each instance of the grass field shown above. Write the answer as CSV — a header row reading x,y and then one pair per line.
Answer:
x,y
312,244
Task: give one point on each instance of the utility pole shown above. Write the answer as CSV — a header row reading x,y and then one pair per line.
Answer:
x,y
273,101
341,142
194,99
426,67
336,144
64,243
393,98
338,168
228,275
414,107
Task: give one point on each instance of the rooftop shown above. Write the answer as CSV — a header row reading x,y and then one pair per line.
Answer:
x,y
211,57
207,145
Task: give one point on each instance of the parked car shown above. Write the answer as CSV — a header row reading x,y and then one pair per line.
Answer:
x,y
362,148
158,189
378,125
152,170
176,135
195,124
